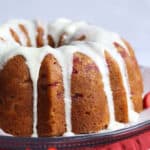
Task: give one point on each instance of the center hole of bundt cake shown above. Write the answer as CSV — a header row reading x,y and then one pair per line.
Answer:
x,y
64,39
42,38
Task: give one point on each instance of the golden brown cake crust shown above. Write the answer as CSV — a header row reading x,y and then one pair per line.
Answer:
x,y
89,103
51,113
15,36
118,90
24,30
39,37
134,75
50,41
16,115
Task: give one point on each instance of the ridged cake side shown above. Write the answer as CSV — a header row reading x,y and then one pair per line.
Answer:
x,y
16,115
82,82
51,112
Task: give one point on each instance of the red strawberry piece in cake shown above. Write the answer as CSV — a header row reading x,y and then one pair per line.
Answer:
x,y
146,101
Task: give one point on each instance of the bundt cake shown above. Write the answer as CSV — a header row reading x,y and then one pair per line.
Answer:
x,y
66,78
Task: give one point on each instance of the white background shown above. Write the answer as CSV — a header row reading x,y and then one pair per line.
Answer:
x,y
130,18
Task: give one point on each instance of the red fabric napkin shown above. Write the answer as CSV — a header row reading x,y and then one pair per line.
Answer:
x,y
140,142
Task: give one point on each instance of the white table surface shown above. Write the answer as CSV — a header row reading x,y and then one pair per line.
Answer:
x,y
130,18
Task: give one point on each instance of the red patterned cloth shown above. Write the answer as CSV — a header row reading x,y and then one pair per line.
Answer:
x,y
140,142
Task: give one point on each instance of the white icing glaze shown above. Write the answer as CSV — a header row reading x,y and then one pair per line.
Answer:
x,y
45,29
3,133
5,31
96,42
67,71
34,66
76,29
5,34
55,29
96,53
99,50
123,70
14,25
